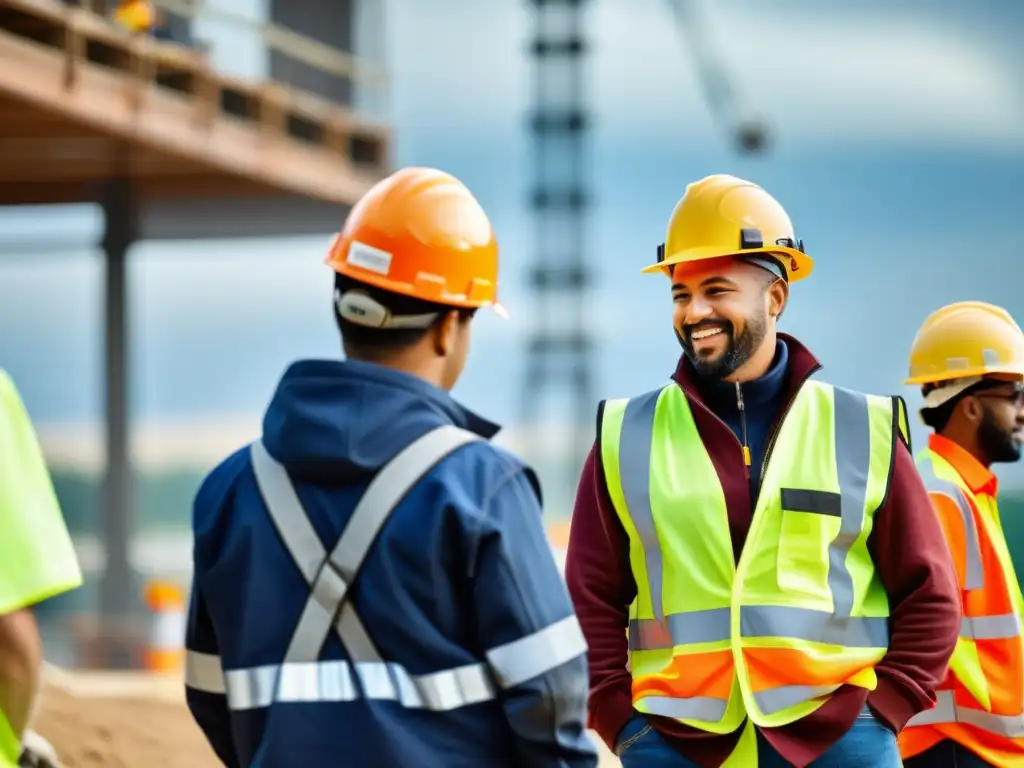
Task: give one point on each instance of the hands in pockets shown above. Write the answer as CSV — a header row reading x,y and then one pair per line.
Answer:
x,y
640,746
635,729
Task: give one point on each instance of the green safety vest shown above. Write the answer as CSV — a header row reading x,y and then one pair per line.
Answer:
x,y
37,558
713,641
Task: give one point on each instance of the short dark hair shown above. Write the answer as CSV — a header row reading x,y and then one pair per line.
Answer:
x,y
768,279
373,343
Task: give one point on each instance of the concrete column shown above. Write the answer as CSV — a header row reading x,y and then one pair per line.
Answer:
x,y
118,590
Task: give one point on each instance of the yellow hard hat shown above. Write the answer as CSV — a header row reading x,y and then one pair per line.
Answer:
x,y
722,215
968,338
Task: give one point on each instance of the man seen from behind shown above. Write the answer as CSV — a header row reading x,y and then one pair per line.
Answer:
x,y
373,585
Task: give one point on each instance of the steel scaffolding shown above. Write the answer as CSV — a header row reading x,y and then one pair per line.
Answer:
x,y
561,351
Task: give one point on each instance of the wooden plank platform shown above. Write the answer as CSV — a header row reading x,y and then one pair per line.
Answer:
x,y
82,101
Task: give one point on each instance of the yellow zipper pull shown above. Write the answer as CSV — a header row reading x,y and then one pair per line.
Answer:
x,y
743,423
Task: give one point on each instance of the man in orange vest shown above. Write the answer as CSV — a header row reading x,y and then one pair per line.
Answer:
x,y
968,359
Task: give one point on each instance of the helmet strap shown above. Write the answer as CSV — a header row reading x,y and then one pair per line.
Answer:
x,y
362,309
766,262
948,390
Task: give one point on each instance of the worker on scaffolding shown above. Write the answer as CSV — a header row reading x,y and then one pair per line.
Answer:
x,y
37,562
142,17
968,359
373,585
136,16
739,554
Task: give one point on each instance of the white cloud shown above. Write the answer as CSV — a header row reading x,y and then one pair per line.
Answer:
x,y
835,76
847,75
458,67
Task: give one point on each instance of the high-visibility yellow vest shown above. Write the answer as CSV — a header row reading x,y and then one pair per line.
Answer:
x,y
803,612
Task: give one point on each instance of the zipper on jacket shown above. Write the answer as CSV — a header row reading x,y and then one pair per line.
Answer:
x,y
743,424
778,425
717,418
782,417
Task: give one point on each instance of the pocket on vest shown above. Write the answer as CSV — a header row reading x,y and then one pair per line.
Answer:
x,y
810,522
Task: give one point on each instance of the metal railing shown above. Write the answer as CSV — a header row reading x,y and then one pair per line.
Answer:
x,y
177,81
275,37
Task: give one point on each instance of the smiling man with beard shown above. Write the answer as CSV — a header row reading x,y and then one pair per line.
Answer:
x,y
968,359
753,555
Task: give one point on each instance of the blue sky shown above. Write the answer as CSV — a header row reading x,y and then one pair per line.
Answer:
x,y
899,154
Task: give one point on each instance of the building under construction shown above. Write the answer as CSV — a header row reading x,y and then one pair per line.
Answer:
x,y
142,125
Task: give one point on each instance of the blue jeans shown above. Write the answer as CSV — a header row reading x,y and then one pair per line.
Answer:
x,y
946,754
868,744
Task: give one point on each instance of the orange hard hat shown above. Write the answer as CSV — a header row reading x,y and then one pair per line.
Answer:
x,y
421,233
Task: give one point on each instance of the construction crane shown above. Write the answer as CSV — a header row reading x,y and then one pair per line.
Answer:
x,y
749,134
561,352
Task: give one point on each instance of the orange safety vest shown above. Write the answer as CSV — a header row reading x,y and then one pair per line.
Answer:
x,y
981,701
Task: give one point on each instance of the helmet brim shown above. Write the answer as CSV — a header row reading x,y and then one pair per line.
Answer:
x,y
797,264
1010,372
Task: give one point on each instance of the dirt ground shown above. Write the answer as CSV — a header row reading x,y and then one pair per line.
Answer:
x,y
119,725
111,720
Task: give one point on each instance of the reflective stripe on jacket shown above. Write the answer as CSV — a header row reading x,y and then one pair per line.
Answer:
x,y
373,585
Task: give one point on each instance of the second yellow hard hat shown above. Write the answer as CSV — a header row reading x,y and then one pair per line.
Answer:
x,y
968,338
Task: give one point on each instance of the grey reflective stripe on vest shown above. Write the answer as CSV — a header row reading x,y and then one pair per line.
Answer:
x,y
853,456
974,574
1001,627
707,708
713,624
854,632
785,696
635,473
947,712
853,462
680,708
704,626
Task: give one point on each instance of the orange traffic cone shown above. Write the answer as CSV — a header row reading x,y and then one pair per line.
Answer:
x,y
165,651
558,538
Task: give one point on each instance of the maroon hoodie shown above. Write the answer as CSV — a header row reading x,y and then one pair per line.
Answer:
x,y
920,581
